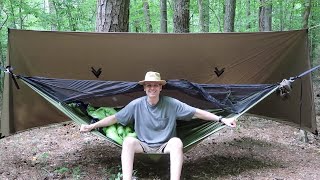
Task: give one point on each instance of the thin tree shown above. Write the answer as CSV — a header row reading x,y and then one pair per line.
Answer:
x,y
56,17
204,15
306,14
135,23
281,16
21,19
265,15
303,134
12,14
217,17
181,16
70,16
164,16
230,11
147,15
50,9
248,13
112,16
291,15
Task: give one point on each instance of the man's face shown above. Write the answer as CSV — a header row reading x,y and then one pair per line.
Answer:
x,y
152,89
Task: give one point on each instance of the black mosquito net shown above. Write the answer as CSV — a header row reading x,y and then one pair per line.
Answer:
x,y
233,98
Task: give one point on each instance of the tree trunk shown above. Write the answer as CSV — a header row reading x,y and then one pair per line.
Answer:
x,y
248,12
57,17
164,16
14,24
306,14
291,16
112,16
71,19
52,11
281,16
204,15
230,9
20,14
314,23
1,73
265,16
303,134
2,57
181,16
147,15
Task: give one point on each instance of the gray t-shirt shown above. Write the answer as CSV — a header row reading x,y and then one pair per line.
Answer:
x,y
155,124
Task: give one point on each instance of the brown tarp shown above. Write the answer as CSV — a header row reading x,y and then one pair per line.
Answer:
x,y
246,58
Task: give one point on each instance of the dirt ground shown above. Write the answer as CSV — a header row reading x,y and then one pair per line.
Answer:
x,y
256,149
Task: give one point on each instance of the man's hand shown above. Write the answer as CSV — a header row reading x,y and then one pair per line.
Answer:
x,y
232,122
86,128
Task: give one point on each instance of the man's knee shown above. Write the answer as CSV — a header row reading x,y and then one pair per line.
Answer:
x,y
130,141
131,144
175,143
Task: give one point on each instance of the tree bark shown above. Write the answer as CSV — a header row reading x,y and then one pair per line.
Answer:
x,y
181,16
112,16
248,13
230,10
204,15
303,134
164,16
281,16
265,16
72,22
20,15
52,12
306,14
14,24
147,15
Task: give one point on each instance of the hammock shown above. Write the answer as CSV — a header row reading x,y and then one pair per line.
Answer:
x,y
226,100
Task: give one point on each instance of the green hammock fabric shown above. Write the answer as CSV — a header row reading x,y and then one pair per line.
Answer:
x,y
190,132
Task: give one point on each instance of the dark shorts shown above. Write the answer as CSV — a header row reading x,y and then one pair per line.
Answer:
x,y
147,149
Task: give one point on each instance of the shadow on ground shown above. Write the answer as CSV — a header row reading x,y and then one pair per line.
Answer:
x,y
214,163
208,160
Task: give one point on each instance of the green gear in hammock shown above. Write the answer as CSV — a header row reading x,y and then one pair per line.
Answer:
x,y
101,112
112,133
120,131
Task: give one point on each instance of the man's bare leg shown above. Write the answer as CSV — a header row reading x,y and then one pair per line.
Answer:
x,y
130,146
175,148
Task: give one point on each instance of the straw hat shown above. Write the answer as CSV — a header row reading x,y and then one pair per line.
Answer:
x,y
152,77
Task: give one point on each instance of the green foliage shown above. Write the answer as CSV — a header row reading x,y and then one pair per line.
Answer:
x,y
77,173
61,170
44,155
43,158
114,173
194,16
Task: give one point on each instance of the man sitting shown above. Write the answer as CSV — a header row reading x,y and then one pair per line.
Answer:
x,y
154,118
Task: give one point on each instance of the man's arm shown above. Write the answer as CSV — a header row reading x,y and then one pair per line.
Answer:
x,y
107,121
205,115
